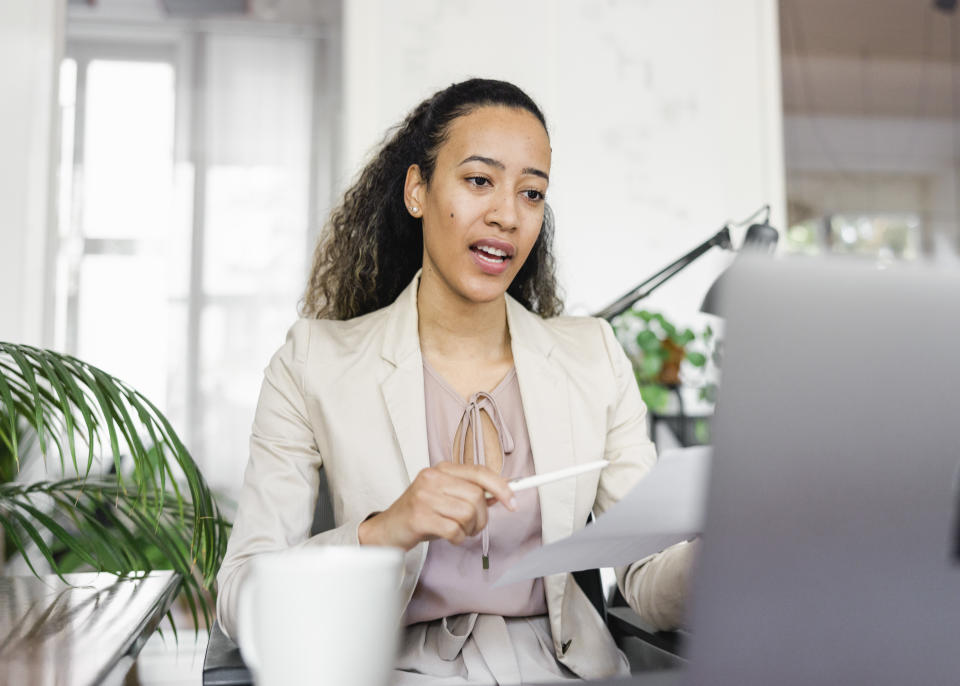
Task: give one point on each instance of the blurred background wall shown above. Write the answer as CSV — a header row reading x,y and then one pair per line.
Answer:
x,y
31,45
870,102
665,116
169,164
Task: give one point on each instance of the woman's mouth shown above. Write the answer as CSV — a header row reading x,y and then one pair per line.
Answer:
x,y
491,256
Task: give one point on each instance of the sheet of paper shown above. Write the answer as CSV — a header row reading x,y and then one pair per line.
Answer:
x,y
664,508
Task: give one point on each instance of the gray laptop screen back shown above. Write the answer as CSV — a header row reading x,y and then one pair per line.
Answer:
x,y
829,542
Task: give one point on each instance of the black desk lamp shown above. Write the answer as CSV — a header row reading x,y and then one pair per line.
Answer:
x,y
759,238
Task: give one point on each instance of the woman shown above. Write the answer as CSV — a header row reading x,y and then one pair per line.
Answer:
x,y
431,366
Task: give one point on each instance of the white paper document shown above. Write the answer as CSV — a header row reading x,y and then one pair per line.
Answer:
x,y
664,508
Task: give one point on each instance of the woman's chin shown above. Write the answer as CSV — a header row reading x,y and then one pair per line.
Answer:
x,y
474,286
479,293
482,288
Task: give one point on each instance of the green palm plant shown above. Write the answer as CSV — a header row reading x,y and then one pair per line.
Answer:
x,y
126,495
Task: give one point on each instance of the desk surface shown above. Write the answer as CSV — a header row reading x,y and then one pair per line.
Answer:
x,y
87,631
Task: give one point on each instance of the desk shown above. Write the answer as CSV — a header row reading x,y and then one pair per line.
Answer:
x,y
87,631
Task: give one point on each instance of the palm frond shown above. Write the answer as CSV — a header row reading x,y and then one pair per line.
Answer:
x,y
105,526
91,421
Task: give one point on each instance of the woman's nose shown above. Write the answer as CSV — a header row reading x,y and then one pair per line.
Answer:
x,y
503,211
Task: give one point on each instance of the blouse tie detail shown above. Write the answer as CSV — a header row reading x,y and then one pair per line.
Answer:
x,y
471,420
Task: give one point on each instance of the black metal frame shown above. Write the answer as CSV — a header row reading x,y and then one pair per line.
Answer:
x,y
721,239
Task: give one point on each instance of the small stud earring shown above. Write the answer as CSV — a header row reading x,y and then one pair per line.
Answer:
x,y
414,209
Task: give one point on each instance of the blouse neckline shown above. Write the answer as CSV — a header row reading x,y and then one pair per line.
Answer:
x,y
464,402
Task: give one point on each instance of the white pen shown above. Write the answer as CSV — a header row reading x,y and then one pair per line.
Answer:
x,y
541,479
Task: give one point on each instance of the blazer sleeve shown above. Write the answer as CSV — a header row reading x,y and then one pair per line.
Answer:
x,y
281,480
656,586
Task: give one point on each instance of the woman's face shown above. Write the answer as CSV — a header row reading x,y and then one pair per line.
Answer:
x,y
483,208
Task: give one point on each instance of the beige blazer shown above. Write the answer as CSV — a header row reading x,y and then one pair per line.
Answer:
x,y
348,396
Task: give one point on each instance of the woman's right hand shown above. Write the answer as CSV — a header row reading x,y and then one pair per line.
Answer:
x,y
446,501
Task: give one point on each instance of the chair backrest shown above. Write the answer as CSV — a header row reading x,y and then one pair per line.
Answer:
x,y
323,510
222,663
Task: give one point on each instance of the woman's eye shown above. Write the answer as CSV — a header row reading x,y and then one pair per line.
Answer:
x,y
536,196
479,180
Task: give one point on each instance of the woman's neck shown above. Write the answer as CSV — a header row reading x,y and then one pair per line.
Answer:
x,y
452,328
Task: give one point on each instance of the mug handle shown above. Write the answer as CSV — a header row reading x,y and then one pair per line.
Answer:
x,y
245,623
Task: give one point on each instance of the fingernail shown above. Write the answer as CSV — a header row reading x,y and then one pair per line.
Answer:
x,y
513,504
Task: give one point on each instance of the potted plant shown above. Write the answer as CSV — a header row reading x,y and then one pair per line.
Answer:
x,y
663,354
117,491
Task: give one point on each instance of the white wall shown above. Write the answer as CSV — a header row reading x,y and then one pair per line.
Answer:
x,y
664,115
31,43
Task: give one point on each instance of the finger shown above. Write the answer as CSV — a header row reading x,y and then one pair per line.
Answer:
x,y
467,491
485,478
471,518
444,480
471,495
437,526
472,479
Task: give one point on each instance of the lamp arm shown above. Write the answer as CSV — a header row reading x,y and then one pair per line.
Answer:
x,y
721,239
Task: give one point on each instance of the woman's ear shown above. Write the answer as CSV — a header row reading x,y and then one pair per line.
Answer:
x,y
414,191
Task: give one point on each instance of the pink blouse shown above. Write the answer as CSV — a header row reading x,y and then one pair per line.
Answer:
x,y
454,579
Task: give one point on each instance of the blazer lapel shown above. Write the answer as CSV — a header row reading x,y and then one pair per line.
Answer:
x,y
546,407
402,388
543,390
544,393
403,393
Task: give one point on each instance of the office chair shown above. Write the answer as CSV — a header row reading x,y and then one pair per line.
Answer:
x,y
646,648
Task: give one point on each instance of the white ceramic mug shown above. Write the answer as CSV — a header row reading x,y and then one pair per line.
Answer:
x,y
321,615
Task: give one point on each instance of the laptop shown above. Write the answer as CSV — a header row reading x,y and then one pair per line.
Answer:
x,y
830,548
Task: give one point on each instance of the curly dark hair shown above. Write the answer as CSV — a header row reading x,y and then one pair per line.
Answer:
x,y
372,246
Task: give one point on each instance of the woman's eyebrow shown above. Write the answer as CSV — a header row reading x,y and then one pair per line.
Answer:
x,y
536,172
499,165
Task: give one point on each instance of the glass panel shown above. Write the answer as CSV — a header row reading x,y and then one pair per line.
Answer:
x,y
178,372
239,337
883,236
256,231
128,149
886,236
258,140
803,237
122,320
132,310
120,304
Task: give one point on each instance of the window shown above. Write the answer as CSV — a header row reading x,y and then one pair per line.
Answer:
x,y
884,236
117,173
186,190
